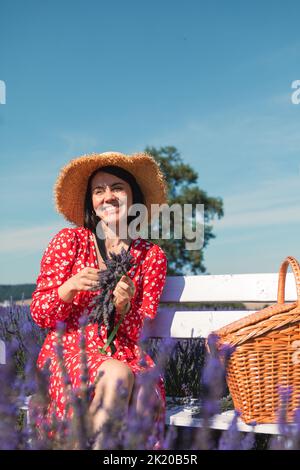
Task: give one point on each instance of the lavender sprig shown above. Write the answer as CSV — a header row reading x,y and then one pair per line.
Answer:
x,y
104,310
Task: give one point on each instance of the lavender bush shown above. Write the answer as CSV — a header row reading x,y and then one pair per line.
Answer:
x,y
17,327
20,378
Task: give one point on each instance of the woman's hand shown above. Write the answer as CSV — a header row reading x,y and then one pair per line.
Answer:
x,y
86,279
123,293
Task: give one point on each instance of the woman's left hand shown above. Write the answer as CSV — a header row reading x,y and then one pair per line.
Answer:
x,y
123,293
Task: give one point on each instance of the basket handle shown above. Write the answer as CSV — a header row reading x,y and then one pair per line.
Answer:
x,y
289,260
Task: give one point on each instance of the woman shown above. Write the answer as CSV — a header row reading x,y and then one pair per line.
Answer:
x,y
94,192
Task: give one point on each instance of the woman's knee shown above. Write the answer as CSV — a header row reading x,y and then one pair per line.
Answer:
x,y
146,399
115,372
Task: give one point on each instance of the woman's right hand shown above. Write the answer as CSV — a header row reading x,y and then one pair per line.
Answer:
x,y
87,279
84,280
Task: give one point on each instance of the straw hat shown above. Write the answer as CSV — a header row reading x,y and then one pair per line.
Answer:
x,y
71,184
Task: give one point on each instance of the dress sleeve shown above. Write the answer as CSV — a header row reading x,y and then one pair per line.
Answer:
x,y
56,267
155,271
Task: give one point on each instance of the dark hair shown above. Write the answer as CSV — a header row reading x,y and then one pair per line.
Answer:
x,y
90,218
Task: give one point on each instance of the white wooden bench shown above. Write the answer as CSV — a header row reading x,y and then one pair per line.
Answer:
x,y
2,353
171,322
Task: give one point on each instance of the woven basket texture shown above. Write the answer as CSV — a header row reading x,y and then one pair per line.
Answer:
x,y
266,359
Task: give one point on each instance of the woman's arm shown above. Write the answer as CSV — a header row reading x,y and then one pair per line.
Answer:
x,y
67,292
52,298
154,270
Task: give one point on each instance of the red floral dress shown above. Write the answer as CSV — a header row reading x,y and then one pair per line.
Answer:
x,y
70,250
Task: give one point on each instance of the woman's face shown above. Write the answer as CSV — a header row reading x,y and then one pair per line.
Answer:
x,y
111,197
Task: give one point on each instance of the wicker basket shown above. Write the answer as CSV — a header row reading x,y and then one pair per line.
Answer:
x,y
266,356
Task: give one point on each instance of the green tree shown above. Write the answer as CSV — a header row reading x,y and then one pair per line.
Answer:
x,y
16,292
182,189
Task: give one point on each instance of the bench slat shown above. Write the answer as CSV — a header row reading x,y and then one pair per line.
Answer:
x,y
170,323
2,352
184,415
226,288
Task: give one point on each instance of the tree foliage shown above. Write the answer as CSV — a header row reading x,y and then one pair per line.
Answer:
x,y
182,189
16,292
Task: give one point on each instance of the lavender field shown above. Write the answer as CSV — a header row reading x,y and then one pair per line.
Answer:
x,y
187,373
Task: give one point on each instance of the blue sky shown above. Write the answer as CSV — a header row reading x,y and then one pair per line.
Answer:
x,y
210,78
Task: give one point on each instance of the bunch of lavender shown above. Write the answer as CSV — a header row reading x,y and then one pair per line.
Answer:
x,y
104,311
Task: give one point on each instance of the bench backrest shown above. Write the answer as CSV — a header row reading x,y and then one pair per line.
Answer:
x,y
172,322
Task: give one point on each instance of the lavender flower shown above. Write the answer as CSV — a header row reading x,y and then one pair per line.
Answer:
x,y
104,311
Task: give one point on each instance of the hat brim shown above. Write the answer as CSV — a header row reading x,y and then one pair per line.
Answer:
x,y
71,184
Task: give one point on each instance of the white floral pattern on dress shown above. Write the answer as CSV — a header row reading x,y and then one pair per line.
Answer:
x,y
69,251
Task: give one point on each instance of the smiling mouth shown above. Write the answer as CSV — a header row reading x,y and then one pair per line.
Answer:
x,y
111,209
